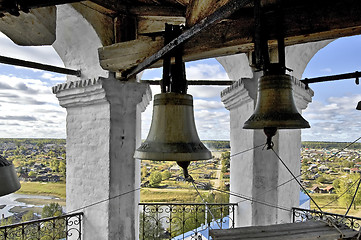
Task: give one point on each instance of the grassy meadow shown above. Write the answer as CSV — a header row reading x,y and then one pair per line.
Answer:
x,y
328,203
44,189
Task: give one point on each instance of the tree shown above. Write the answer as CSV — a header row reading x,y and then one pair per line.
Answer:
x,y
28,216
166,175
344,187
143,172
40,145
225,160
51,210
62,168
151,226
32,174
155,178
7,221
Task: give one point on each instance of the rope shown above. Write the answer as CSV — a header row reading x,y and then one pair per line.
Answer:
x,y
253,200
105,200
342,193
190,179
353,199
247,150
233,194
295,178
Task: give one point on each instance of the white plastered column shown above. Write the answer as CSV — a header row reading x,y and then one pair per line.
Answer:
x,y
258,173
103,131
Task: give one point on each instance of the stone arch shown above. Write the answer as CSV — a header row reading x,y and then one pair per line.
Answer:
x,y
73,34
297,58
77,43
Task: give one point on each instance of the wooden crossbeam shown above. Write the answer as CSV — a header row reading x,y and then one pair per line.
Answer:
x,y
219,14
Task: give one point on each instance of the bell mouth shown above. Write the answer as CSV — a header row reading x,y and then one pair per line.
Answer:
x,y
8,177
275,105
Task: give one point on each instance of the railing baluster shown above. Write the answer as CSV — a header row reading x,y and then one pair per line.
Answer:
x,y
182,217
306,214
170,220
233,215
47,227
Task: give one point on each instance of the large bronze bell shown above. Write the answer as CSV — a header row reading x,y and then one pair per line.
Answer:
x,y
173,135
275,105
358,107
8,178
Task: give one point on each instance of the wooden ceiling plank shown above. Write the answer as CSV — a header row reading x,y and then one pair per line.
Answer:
x,y
236,36
221,13
153,24
198,10
165,11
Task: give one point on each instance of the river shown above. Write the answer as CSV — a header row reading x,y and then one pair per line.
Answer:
x,y
14,200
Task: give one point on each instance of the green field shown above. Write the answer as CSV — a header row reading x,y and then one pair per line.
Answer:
x,y
323,199
47,189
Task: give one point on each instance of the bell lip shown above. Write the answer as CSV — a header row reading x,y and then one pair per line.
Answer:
x,y
8,175
358,107
297,123
166,156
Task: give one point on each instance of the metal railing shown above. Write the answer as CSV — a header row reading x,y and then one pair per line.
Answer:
x,y
301,215
54,228
184,220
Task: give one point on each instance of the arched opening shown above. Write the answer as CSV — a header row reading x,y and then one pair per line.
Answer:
x,y
332,114
28,107
30,110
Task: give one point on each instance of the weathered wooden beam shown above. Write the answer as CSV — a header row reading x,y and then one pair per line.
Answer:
x,y
219,14
166,11
198,10
14,6
197,82
153,24
28,64
116,7
36,28
228,37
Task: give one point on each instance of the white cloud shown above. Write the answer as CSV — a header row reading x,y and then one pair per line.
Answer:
x,y
326,70
54,77
201,104
206,71
335,120
29,109
206,91
41,54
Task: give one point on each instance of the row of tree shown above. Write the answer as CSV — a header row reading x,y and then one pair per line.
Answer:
x,y
329,145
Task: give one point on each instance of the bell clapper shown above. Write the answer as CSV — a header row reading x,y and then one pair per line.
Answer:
x,y
270,132
184,165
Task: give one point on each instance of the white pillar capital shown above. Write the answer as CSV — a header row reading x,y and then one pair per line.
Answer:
x,y
101,90
301,94
236,95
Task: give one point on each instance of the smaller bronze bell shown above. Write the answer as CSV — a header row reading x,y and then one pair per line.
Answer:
x,y
173,135
275,105
8,178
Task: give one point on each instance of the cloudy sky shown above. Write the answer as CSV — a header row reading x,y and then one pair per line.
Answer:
x,y
30,110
